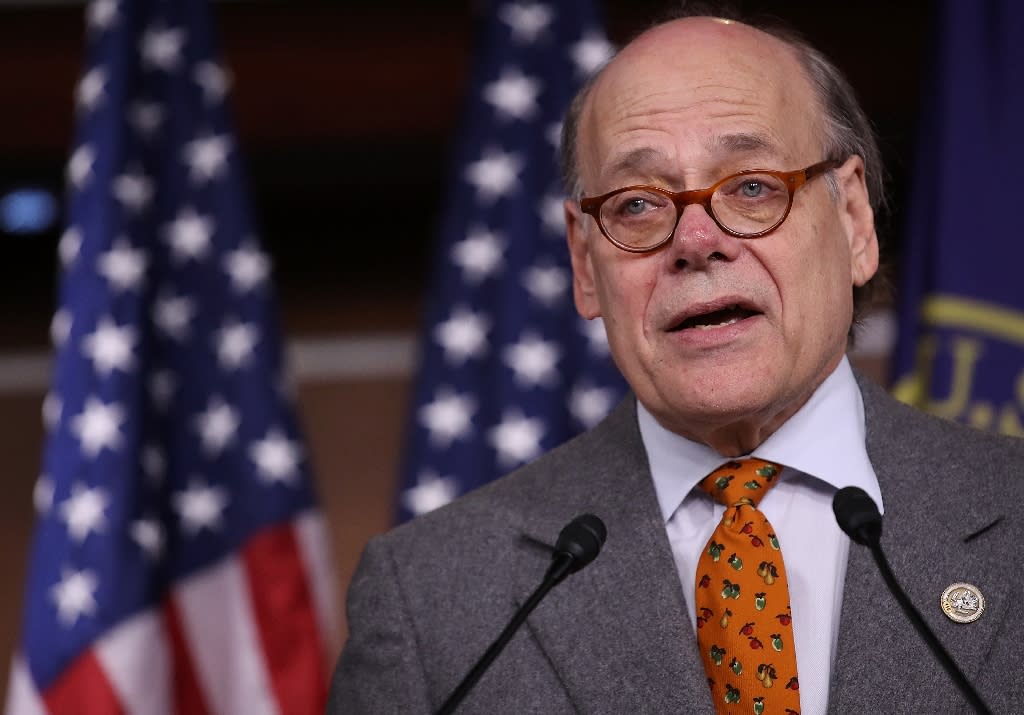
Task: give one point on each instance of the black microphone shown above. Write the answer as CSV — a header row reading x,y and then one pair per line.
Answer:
x,y
578,544
858,516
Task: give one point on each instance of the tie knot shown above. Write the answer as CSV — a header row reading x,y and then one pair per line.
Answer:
x,y
741,481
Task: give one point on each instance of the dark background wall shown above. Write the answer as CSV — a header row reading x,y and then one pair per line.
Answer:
x,y
340,108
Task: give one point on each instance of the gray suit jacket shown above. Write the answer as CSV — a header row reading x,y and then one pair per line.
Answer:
x,y
429,597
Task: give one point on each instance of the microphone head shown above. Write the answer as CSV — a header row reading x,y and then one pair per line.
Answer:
x,y
858,515
582,539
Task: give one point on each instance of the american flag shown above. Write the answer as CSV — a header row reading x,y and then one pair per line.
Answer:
x,y
179,563
508,369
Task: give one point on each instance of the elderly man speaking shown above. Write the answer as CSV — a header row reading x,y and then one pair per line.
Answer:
x,y
724,184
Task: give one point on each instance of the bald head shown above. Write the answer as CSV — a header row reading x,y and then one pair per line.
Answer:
x,y
846,129
727,82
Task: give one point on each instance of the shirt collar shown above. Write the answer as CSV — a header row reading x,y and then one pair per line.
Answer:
x,y
836,454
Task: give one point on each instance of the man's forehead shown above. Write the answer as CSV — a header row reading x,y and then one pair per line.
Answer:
x,y
705,69
644,158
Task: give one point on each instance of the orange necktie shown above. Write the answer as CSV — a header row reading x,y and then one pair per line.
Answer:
x,y
744,625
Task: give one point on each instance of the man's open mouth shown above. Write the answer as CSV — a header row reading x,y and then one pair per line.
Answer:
x,y
717,318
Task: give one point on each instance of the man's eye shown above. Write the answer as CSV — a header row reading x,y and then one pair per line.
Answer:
x,y
752,189
636,206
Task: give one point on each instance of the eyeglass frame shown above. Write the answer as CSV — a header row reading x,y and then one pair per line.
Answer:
x,y
681,199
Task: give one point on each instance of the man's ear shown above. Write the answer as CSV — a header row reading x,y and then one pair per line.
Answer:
x,y
584,288
858,220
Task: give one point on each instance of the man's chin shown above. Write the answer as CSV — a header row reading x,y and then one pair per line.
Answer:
x,y
706,415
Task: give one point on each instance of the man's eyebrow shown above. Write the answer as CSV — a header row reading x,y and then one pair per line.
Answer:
x,y
651,160
642,158
738,143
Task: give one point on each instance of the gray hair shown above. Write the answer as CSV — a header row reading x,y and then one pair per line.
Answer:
x,y
846,131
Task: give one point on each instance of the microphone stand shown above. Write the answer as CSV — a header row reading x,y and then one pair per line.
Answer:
x,y
558,570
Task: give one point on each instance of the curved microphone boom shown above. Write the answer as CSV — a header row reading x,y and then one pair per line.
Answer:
x,y
578,544
859,518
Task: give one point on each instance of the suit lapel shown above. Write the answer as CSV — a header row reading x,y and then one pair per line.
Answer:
x,y
881,661
617,632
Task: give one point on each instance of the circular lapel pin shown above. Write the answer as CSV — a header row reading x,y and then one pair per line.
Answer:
x,y
962,602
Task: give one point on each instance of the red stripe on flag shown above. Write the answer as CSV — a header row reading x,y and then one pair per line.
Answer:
x,y
83,689
188,695
286,621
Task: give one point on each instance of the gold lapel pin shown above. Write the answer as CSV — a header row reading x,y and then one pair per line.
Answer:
x,y
962,602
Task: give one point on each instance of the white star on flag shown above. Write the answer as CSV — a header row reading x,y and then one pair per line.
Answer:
x,y
80,166
60,327
217,425
431,492
75,595
145,117
479,255
110,346
173,315
161,48
276,457
596,335
546,284
200,506
101,14
42,494
463,335
149,535
134,190
207,157
552,213
235,342
590,405
123,266
83,511
516,439
526,19
69,245
98,425
189,235
590,53
89,91
247,267
513,95
495,174
533,360
213,80
447,417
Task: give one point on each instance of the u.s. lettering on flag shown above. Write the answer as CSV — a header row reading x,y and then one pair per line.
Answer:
x,y
508,369
179,562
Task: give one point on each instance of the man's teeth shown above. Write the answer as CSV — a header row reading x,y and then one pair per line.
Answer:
x,y
730,321
727,322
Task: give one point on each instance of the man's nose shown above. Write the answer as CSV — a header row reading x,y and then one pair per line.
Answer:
x,y
698,241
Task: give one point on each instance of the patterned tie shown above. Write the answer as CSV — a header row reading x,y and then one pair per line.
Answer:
x,y
743,618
